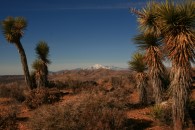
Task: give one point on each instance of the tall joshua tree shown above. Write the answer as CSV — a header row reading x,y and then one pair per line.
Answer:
x,y
138,65
153,58
176,24
150,42
13,30
42,51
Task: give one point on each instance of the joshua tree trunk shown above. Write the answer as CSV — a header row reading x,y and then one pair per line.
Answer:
x,y
180,85
141,85
24,64
157,85
45,78
39,82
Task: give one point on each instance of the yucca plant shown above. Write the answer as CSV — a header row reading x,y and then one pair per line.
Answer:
x,y
42,51
138,65
176,23
33,79
38,66
13,30
151,44
147,19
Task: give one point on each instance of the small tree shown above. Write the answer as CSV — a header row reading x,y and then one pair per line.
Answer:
x,y
138,65
153,57
41,64
38,73
13,30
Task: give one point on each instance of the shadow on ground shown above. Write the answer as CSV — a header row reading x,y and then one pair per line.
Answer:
x,y
137,106
22,119
137,124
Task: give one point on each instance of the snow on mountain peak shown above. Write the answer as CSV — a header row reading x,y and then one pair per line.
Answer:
x,y
97,66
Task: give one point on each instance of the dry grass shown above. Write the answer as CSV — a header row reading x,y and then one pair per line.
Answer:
x,y
8,119
106,105
162,114
13,90
38,97
91,111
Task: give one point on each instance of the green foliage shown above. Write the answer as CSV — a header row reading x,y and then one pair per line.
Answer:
x,y
145,41
147,19
38,65
176,18
42,51
137,63
13,28
162,114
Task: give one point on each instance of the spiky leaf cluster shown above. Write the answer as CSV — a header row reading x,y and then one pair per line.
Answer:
x,y
13,28
145,41
178,29
42,51
147,19
137,63
38,65
151,45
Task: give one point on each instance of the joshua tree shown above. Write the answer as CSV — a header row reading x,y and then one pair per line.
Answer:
x,y
176,24
38,66
147,19
153,58
42,51
33,78
138,65
13,30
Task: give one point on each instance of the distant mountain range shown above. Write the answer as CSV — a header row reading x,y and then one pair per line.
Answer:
x,y
93,67
98,66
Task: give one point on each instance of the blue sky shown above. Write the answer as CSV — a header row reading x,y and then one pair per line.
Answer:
x,y
80,33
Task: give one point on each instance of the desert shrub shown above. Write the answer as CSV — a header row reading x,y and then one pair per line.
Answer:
x,y
57,84
162,114
70,84
83,86
76,85
119,97
116,81
13,90
40,96
8,118
88,112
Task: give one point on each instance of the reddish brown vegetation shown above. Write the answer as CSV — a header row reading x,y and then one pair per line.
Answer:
x,y
107,101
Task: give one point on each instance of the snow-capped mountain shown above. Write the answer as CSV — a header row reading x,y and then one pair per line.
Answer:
x,y
98,66
93,67
115,68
